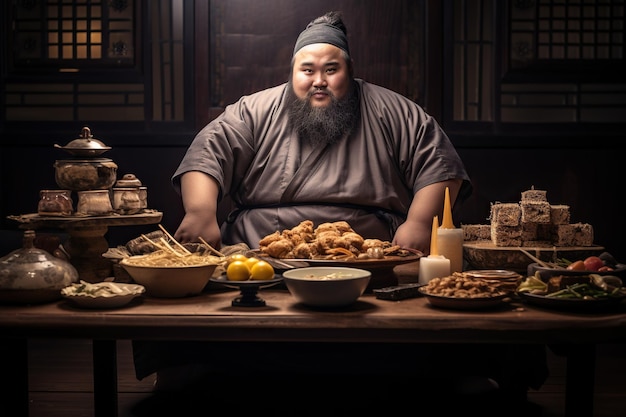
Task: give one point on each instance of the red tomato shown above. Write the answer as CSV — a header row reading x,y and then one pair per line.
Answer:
x,y
593,263
576,266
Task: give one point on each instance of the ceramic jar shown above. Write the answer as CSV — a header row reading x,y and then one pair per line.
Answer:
x,y
94,203
126,200
30,275
55,203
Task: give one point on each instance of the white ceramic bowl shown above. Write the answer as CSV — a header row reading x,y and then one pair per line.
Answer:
x,y
326,286
170,281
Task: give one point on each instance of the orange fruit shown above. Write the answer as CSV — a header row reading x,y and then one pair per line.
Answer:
x,y
262,271
250,262
236,257
237,271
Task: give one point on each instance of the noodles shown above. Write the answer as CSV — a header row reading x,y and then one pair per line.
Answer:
x,y
165,258
173,256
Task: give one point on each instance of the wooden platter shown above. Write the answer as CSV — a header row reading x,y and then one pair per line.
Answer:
x,y
485,255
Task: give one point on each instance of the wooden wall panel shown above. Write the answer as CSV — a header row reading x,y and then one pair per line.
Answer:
x,y
253,43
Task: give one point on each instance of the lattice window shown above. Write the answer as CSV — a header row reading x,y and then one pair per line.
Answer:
x,y
572,30
73,34
563,62
88,60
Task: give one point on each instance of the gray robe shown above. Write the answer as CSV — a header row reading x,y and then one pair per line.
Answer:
x,y
276,181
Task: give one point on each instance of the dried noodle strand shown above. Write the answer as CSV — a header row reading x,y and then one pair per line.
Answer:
x,y
160,246
215,251
171,249
174,240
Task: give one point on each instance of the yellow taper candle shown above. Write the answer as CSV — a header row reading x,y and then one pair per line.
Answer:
x,y
447,222
433,237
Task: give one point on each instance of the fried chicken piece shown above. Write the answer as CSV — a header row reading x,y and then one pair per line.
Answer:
x,y
297,238
354,239
343,227
372,243
293,237
340,242
344,243
305,251
304,228
391,249
326,227
270,238
325,240
279,248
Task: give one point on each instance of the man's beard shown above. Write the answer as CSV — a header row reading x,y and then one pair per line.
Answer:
x,y
324,125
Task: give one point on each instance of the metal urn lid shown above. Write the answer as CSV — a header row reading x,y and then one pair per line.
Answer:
x,y
86,145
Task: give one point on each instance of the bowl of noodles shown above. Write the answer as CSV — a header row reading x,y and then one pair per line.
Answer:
x,y
168,274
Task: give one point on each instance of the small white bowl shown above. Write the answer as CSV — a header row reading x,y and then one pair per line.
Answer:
x,y
326,286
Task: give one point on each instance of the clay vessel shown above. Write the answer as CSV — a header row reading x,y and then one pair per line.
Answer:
x,y
55,203
94,203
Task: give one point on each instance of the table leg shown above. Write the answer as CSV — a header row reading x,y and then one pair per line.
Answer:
x,y
580,380
85,245
14,395
105,378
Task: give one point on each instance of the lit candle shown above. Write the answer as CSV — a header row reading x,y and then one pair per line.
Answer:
x,y
450,239
433,265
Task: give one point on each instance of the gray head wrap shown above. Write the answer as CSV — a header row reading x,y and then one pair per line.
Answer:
x,y
322,33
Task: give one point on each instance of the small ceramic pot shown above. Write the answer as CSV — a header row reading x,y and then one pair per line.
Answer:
x,y
55,203
126,200
94,203
128,180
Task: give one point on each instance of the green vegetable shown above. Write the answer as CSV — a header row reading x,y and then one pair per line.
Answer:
x,y
583,291
532,283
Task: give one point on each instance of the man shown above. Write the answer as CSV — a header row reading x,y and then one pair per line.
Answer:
x,y
323,147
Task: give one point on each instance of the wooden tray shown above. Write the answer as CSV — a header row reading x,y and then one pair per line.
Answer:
x,y
485,255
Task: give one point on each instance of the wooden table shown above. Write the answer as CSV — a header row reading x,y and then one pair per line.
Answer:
x,y
211,317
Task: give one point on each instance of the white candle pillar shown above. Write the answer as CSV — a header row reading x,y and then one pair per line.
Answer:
x,y
450,238
433,265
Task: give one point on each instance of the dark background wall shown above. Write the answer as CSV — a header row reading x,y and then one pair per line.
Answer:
x,y
237,47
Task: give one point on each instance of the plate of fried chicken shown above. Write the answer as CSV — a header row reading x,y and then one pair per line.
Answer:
x,y
332,244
